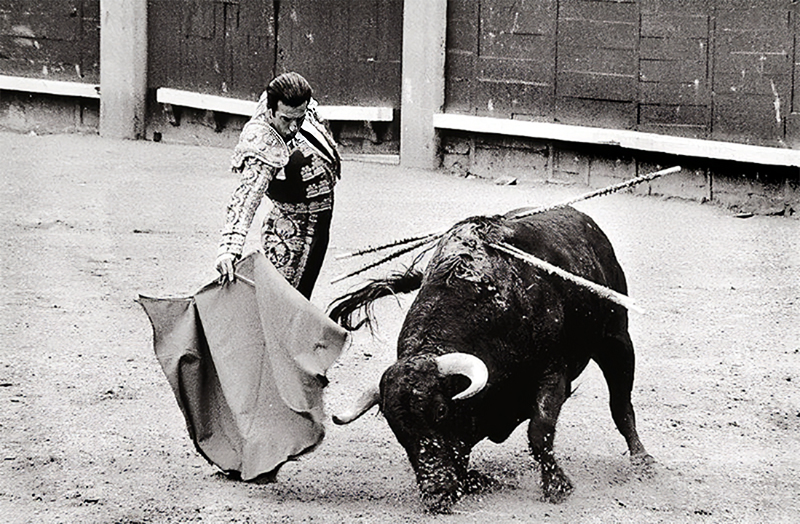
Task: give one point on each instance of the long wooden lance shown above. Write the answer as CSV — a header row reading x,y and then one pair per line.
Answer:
x,y
436,234
602,291
600,192
387,258
374,249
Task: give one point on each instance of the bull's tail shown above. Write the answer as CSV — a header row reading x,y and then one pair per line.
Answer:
x,y
344,308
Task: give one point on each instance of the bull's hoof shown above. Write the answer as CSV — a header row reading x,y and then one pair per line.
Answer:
x,y
642,460
556,486
644,465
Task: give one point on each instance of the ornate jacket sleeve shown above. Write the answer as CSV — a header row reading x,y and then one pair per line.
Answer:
x,y
255,177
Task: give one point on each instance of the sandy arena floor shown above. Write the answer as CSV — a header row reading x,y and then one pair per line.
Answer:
x,y
90,431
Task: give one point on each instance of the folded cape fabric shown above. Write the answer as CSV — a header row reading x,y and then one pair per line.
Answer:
x,y
247,362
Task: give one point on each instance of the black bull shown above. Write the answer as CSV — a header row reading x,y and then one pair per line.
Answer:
x,y
532,334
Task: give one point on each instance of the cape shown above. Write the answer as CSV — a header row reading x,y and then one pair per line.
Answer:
x,y
247,361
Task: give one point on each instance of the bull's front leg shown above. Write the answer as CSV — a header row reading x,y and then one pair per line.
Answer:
x,y
552,393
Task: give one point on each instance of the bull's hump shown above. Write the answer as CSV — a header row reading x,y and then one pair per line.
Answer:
x,y
462,251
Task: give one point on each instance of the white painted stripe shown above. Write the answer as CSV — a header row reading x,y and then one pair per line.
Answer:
x,y
674,145
166,95
51,87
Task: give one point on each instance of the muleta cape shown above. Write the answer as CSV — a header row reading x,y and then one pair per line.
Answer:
x,y
247,361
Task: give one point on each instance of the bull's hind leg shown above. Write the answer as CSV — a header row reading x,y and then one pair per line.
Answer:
x,y
552,393
616,359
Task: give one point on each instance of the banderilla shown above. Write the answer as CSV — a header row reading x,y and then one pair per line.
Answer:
x,y
524,213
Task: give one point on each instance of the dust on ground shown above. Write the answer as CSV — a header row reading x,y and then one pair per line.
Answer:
x,y
90,431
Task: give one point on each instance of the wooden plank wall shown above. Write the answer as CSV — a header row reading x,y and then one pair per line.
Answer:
x,y
350,50
221,47
51,39
674,62
500,57
721,69
596,57
753,55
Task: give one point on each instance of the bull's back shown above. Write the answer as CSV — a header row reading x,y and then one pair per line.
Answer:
x,y
478,298
571,240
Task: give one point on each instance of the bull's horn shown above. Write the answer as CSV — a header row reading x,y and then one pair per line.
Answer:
x,y
367,399
468,365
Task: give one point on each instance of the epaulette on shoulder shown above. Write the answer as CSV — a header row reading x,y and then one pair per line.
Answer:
x,y
260,140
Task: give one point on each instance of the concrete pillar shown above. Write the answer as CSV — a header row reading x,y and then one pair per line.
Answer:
x,y
424,35
123,68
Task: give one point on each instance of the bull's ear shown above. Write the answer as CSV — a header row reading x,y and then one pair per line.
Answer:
x,y
368,398
468,365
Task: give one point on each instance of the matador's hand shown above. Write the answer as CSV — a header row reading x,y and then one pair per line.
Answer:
x,y
224,264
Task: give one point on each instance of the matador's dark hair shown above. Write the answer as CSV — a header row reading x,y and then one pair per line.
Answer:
x,y
290,88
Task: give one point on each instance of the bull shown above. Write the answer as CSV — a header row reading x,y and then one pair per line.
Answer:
x,y
490,342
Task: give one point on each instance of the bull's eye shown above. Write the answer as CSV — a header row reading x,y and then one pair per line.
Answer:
x,y
441,412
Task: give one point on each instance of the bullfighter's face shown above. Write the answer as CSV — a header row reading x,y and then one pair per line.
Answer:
x,y
287,119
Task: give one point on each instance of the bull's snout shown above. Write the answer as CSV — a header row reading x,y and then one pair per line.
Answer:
x,y
439,476
439,492
439,501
